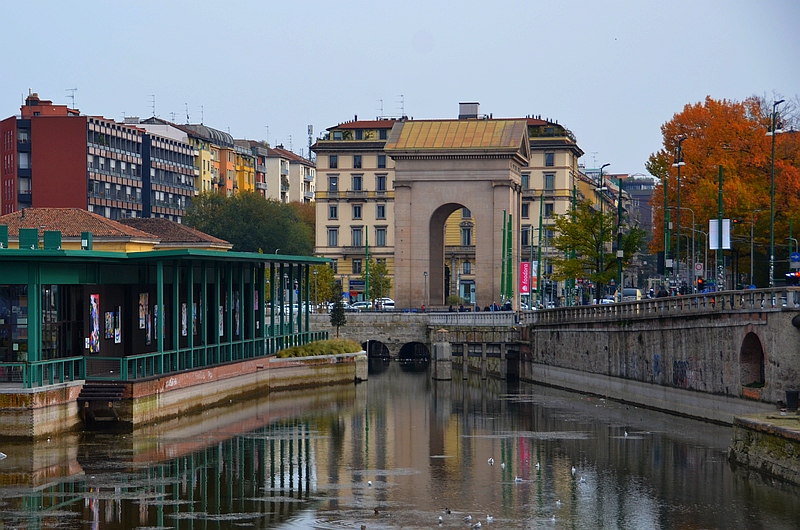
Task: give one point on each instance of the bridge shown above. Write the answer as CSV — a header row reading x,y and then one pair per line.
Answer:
x,y
704,355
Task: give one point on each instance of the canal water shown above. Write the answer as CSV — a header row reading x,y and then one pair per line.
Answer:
x,y
398,451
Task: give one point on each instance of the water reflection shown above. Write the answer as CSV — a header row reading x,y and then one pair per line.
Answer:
x,y
396,452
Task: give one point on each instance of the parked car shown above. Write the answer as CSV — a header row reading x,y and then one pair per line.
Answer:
x,y
362,305
385,303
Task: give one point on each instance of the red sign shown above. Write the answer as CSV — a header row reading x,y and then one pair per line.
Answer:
x,y
524,277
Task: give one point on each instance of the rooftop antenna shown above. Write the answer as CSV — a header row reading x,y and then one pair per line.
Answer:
x,y
153,104
187,112
172,115
267,128
202,115
594,158
381,114
310,138
291,148
72,95
402,106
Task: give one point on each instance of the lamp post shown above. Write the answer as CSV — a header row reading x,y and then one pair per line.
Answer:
x,y
693,230
601,189
752,229
772,133
619,239
678,163
425,291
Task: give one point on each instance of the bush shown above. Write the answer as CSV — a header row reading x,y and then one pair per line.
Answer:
x,y
321,347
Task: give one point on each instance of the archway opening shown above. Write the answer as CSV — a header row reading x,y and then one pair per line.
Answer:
x,y
451,280
376,349
413,351
751,361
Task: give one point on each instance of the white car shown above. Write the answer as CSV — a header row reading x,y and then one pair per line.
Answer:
x,y
361,306
386,303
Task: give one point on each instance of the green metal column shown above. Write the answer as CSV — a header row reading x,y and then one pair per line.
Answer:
x,y
241,311
503,257
202,311
160,306
307,297
35,312
281,303
176,311
229,316
272,293
215,316
539,250
720,255
190,312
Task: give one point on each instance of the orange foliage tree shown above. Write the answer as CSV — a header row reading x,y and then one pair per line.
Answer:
x,y
733,135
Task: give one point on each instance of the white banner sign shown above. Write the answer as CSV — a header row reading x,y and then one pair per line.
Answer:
x,y
713,234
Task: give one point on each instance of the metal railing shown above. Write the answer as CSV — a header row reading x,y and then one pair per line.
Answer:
x,y
485,318
135,367
748,300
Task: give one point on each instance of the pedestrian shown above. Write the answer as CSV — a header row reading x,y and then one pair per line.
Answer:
x,y
450,309
460,308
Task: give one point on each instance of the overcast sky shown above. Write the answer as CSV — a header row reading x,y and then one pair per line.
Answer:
x,y
612,72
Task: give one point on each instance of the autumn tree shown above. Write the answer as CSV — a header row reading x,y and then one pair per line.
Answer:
x,y
338,316
323,284
733,135
580,243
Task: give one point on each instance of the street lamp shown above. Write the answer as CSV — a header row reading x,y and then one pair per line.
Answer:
x,y
601,189
693,259
620,254
772,133
752,228
678,163
425,292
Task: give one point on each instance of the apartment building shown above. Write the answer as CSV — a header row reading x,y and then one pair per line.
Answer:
x,y
290,177
355,198
55,157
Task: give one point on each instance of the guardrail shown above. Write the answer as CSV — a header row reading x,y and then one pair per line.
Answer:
x,y
133,367
485,319
752,300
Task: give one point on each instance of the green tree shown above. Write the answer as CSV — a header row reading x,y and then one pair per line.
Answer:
x,y
323,284
251,223
380,284
338,316
580,232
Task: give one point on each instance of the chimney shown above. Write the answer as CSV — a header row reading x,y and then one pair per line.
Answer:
x,y
468,110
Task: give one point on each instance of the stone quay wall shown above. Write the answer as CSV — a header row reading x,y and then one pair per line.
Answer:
x,y
641,358
770,444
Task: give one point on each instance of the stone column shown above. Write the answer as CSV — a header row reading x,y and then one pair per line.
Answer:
x,y
484,369
442,357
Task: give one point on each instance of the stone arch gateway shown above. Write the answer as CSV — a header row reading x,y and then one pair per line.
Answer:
x,y
441,165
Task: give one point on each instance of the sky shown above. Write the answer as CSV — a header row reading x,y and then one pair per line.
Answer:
x,y
613,72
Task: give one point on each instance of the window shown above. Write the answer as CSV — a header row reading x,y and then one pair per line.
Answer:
x,y
357,182
380,182
380,211
333,183
526,181
465,213
356,211
358,240
548,209
526,208
356,266
525,238
337,135
335,265
549,159
383,134
333,161
549,181
359,134
380,237
333,211
467,268
333,237
466,236
381,161
357,161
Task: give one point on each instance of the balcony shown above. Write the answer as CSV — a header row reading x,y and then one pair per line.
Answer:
x,y
261,186
356,194
309,195
308,178
261,168
284,171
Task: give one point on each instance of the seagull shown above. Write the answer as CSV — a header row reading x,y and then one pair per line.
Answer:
x,y
3,455
517,479
558,503
626,434
582,479
447,511
502,465
440,519
477,525
573,470
491,461
467,518
369,483
489,519
537,466
553,519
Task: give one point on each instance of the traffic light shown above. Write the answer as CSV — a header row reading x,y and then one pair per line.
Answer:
x,y
701,284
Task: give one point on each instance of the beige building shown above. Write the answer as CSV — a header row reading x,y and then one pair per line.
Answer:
x,y
360,194
289,176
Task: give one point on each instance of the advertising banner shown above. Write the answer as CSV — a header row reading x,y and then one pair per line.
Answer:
x,y
524,277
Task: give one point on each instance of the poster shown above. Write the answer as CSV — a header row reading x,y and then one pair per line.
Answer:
x,y
236,310
143,309
155,321
148,335
221,324
117,329
184,324
194,318
108,332
94,323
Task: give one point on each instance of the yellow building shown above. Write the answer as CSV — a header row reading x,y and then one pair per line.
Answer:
x,y
245,169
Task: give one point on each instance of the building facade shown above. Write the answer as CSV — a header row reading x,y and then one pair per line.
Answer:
x,y
358,190
290,177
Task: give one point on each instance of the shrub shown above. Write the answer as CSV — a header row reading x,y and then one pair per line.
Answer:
x,y
321,347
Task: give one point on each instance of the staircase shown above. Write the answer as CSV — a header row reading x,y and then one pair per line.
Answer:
x,y
96,402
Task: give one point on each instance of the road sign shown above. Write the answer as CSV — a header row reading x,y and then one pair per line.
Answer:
x,y
794,257
698,269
